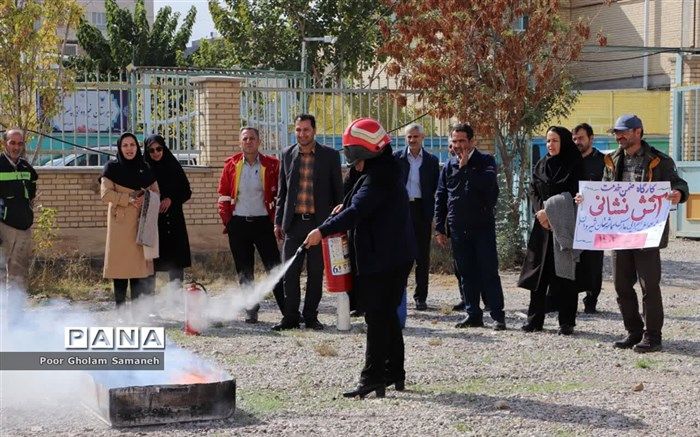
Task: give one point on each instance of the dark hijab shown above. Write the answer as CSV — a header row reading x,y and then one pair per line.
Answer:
x,y
130,173
383,169
167,170
563,171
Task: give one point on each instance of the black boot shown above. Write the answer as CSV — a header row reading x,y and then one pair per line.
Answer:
x,y
363,390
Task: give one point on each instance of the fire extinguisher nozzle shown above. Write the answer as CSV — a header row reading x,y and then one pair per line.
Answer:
x,y
302,250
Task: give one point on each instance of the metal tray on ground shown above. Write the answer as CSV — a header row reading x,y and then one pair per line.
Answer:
x,y
165,403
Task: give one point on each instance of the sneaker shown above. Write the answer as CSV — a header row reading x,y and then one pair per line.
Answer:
x,y
629,341
469,323
421,305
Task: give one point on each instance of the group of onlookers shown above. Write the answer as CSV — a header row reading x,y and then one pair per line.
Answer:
x,y
390,203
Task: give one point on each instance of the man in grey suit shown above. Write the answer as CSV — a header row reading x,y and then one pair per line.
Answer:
x,y
310,185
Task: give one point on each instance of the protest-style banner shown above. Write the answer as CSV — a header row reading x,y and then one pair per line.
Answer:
x,y
621,215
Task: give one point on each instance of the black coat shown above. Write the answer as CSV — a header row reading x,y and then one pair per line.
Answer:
x,y
466,197
376,211
541,189
174,242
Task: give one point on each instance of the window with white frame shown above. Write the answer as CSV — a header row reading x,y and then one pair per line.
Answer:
x,y
70,49
99,20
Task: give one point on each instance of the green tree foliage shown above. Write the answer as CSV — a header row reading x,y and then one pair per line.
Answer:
x,y
32,35
268,34
210,54
131,40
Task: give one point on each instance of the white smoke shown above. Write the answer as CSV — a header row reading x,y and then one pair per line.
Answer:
x,y
39,327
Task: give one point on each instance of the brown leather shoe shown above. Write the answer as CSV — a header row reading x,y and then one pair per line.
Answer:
x,y
647,345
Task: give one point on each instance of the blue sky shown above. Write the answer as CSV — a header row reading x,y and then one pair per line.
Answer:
x,y
203,24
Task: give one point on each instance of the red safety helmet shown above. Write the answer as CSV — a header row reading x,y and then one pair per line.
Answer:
x,y
364,138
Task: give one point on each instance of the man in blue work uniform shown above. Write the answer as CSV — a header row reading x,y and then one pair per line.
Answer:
x,y
465,204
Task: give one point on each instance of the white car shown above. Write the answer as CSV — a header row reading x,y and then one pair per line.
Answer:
x,y
99,156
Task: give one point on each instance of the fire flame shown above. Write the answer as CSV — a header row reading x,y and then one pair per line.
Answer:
x,y
192,377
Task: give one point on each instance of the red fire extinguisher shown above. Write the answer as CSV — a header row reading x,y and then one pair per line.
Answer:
x,y
338,273
336,260
195,302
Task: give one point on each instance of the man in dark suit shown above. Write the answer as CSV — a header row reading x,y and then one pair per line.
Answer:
x,y
310,185
465,204
420,171
589,270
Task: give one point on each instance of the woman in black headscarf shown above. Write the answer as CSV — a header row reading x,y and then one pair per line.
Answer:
x,y
175,190
557,172
122,184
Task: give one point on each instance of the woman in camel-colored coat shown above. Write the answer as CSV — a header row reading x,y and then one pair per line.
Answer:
x,y
121,182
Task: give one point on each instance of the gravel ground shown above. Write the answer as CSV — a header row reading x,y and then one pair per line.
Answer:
x,y
474,382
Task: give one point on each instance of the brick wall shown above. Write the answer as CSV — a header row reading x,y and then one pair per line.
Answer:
x,y
82,217
75,192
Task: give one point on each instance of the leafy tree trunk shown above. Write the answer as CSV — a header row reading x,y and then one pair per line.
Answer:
x,y
513,165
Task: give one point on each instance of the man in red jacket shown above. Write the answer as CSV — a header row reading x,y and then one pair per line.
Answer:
x,y
247,192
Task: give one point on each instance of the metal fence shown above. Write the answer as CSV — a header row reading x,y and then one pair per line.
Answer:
x,y
146,100
271,104
103,105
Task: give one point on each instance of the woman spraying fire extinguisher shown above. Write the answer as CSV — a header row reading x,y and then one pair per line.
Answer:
x,y
376,214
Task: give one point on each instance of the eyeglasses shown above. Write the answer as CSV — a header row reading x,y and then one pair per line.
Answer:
x,y
155,149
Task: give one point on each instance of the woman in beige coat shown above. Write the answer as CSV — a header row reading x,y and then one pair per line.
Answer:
x,y
122,185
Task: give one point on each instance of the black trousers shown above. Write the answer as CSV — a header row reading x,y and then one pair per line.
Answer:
x,y
476,259
459,282
589,275
138,286
245,234
460,285
380,294
422,230
563,291
643,265
294,238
